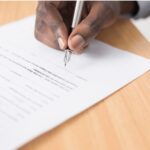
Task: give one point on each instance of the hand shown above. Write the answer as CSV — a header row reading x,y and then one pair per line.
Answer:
x,y
53,21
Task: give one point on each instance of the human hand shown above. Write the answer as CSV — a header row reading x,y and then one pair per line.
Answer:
x,y
54,18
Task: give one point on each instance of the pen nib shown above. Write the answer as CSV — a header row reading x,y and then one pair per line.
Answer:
x,y
67,56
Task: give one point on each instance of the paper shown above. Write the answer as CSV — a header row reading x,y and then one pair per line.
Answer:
x,y
37,92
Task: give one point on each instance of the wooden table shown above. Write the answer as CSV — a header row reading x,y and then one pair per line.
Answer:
x,y
121,121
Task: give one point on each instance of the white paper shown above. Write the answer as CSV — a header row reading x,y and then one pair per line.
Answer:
x,y
37,92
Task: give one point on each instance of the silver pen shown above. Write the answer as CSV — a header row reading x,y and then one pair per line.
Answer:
x,y
75,21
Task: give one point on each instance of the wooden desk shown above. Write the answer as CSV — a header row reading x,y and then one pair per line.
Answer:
x,y
120,122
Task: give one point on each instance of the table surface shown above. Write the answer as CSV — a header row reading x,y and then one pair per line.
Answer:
x,y
121,121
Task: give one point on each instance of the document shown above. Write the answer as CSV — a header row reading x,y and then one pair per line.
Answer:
x,y
37,92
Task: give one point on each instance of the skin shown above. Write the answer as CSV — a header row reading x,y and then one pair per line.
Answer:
x,y
53,22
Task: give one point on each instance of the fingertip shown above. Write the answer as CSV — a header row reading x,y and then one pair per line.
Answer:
x,y
62,43
77,43
62,36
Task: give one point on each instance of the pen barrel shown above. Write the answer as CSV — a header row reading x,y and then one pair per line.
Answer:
x,y
77,13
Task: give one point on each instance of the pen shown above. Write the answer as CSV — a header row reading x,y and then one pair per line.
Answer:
x,y
75,21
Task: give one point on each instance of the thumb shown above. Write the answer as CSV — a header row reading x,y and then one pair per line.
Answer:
x,y
87,29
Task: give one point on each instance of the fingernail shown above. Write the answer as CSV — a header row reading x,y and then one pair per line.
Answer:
x,y
78,41
61,43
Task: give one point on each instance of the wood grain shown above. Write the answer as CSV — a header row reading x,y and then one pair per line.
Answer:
x,y
121,121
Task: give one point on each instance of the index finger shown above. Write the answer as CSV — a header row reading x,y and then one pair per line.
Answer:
x,y
55,29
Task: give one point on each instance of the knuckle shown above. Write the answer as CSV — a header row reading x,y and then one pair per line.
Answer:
x,y
41,13
92,25
95,27
55,25
41,10
48,16
40,25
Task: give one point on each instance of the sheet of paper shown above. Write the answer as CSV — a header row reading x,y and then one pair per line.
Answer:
x,y
37,92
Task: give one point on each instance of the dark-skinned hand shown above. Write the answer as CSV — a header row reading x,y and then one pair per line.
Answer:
x,y
54,18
